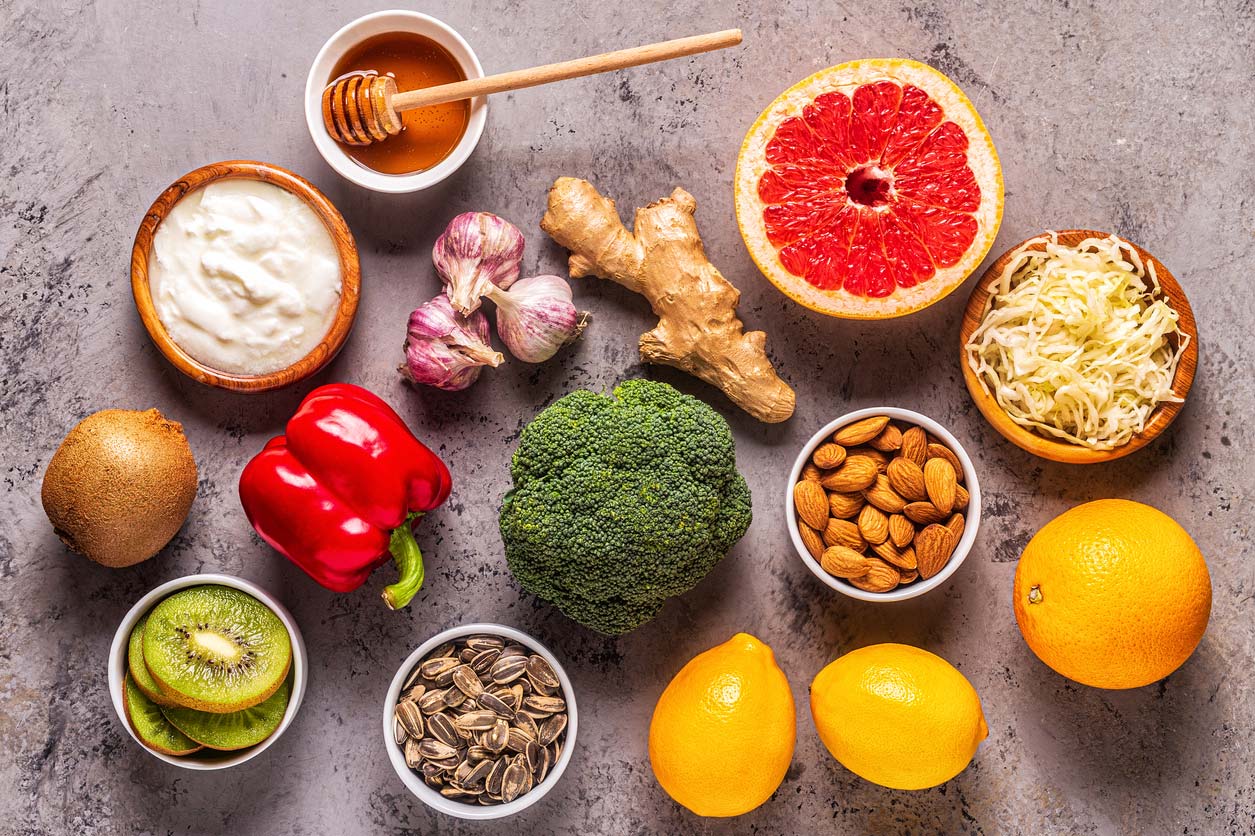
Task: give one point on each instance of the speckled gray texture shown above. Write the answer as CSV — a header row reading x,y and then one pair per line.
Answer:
x,y
1128,115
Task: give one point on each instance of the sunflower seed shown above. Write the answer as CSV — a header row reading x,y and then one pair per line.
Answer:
x,y
517,691
512,782
431,772
527,723
412,678
540,672
550,729
432,668
410,717
482,661
542,770
541,688
545,705
532,752
467,681
435,750
445,678
446,649
492,784
480,643
413,692
466,655
432,702
508,669
497,737
514,650
495,704
413,754
479,772
476,721
518,740
478,753
463,771
442,728
398,732
452,792
453,697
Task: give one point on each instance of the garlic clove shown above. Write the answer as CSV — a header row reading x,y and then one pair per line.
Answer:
x,y
536,317
446,349
476,253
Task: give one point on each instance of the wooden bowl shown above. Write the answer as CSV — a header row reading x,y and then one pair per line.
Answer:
x,y
1062,451
350,276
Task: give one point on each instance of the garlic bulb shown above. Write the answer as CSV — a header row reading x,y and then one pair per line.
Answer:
x,y
535,317
477,252
445,349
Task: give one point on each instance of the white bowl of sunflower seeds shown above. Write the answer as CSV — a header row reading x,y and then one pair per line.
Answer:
x,y
480,721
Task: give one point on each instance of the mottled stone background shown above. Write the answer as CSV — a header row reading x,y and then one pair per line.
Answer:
x,y
1130,115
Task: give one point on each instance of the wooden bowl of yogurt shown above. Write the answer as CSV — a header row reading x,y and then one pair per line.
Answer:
x,y
245,276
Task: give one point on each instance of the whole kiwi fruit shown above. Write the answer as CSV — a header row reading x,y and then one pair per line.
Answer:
x,y
120,485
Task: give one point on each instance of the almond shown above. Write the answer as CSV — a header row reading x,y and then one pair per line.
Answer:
x,y
843,533
915,445
907,478
889,440
941,451
811,503
939,481
880,577
828,456
884,497
923,513
902,558
844,563
845,505
901,530
961,497
811,539
908,576
873,524
860,431
810,473
857,473
933,546
881,459
955,526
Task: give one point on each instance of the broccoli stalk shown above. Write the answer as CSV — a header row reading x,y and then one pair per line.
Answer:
x,y
622,502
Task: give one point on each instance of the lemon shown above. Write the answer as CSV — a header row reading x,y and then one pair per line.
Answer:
x,y
897,716
722,734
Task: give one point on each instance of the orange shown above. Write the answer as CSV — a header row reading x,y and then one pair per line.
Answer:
x,y
869,190
722,734
1112,594
898,716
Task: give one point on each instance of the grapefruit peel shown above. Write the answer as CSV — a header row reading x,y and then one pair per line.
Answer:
x,y
867,177
663,259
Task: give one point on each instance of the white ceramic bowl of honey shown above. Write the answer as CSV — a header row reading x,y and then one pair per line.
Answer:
x,y
329,65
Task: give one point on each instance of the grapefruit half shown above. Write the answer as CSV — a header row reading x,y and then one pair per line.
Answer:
x,y
869,190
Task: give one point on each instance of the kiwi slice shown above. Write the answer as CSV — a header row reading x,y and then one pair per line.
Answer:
x,y
216,649
139,671
151,726
238,729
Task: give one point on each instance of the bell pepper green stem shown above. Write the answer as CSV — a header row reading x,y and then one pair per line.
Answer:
x,y
409,560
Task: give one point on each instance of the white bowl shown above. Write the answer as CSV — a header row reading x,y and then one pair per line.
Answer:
x,y
415,783
971,517
117,668
352,34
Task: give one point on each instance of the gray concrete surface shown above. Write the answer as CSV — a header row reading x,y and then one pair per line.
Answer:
x,y
1126,115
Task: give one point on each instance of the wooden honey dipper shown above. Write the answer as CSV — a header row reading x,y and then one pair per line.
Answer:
x,y
364,107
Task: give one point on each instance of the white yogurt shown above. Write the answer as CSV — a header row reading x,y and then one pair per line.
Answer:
x,y
244,276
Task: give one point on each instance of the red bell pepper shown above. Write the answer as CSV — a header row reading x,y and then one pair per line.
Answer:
x,y
338,493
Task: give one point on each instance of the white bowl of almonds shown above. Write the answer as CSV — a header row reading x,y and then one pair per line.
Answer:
x,y
480,721
883,504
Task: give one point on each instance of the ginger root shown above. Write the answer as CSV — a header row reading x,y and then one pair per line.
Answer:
x,y
698,330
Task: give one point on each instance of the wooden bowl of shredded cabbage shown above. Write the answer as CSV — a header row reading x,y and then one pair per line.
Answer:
x,y
1079,346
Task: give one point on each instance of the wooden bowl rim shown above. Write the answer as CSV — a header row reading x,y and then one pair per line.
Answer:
x,y
350,276
1062,451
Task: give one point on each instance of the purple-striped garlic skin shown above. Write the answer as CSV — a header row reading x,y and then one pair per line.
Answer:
x,y
536,317
445,349
476,253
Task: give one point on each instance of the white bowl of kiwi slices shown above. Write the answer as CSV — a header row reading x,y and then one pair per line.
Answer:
x,y
207,671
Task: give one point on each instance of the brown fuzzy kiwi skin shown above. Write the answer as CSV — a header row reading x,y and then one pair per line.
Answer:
x,y
184,701
120,486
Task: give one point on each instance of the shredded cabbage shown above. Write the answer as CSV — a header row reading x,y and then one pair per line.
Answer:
x,y
1074,341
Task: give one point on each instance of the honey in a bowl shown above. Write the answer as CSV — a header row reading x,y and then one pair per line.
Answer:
x,y
429,134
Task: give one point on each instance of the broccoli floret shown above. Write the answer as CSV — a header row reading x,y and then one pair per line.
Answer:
x,y
622,502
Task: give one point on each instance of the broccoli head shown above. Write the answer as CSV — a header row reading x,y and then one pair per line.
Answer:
x,y
622,502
